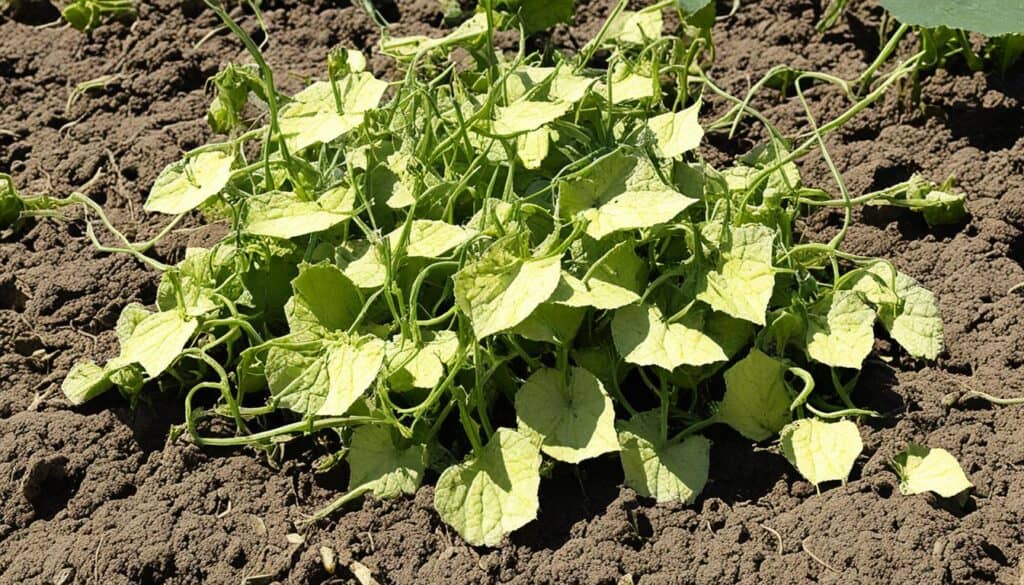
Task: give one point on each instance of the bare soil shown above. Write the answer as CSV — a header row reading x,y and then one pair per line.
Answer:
x,y
100,494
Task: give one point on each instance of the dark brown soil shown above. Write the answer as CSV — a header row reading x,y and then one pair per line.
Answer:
x,y
101,495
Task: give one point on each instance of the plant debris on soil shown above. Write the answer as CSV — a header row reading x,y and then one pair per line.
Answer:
x,y
100,494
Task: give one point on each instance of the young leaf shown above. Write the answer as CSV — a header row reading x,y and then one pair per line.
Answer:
x,y
844,335
280,214
619,192
822,451
677,132
324,299
157,340
494,492
923,469
656,468
643,337
186,184
742,282
500,289
538,15
313,117
756,403
376,457
570,411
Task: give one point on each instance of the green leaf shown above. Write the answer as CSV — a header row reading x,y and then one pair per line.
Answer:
x,y
822,451
280,214
323,299
614,282
202,274
923,469
643,337
538,15
157,340
908,311
627,85
619,192
131,315
570,411
186,184
362,263
525,116
328,382
844,335
551,323
352,365
501,289
85,381
532,148
636,28
756,402
990,17
656,468
376,457
431,238
419,367
677,132
312,117
492,493
742,282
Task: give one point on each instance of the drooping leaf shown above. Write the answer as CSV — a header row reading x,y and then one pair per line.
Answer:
x,y
991,17
571,412
324,299
677,132
741,283
656,468
376,457
620,191
756,403
923,469
280,214
312,117
501,289
840,333
157,340
643,337
465,34
186,184
493,493
822,451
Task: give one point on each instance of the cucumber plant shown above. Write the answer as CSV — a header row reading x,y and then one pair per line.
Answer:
x,y
515,258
